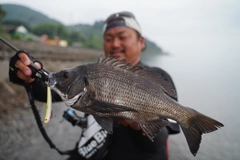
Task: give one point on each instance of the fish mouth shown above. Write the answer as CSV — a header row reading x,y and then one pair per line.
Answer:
x,y
70,102
65,95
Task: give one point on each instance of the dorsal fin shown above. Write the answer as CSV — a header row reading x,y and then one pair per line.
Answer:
x,y
121,64
100,59
160,77
152,74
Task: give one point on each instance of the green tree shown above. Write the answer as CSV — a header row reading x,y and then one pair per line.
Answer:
x,y
94,42
2,32
76,36
2,14
52,30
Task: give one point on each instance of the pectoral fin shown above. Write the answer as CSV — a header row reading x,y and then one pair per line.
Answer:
x,y
105,107
152,128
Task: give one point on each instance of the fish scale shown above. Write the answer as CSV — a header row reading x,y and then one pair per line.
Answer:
x,y
141,95
121,94
112,89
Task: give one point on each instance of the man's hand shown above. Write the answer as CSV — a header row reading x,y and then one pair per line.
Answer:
x,y
24,71
126,122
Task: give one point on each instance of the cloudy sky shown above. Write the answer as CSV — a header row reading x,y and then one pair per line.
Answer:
x,y
173,24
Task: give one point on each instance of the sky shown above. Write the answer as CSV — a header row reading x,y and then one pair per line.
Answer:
x,y
177,26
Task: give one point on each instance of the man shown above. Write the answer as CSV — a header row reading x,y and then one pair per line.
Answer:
x,y
122,40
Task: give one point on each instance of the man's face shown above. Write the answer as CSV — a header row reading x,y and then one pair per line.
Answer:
x,y
122,43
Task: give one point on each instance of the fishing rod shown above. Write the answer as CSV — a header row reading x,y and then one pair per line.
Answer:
x,y
9,44
44,76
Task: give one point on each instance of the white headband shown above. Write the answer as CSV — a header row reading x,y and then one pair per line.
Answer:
x,y
128,22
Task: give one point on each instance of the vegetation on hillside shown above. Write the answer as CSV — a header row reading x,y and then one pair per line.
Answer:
x,y
90,36
2,15
26,15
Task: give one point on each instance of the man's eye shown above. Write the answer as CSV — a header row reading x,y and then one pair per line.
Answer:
x,y
108,39
122,37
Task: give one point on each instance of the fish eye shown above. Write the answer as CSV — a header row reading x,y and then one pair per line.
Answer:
x,y
65,74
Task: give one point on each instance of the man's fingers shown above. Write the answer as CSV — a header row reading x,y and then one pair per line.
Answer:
x,y
24,58
123,122
126,122
26,61
134,126
37,64
24,72
25,78
23,68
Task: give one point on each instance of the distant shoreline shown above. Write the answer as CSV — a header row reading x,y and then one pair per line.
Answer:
x,y
42,51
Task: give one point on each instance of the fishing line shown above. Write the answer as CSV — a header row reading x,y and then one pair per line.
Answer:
x,y
39,122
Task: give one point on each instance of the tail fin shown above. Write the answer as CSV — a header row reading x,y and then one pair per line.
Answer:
x,y
195,127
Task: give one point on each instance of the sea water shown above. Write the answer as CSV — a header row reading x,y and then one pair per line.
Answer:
x,y
208,81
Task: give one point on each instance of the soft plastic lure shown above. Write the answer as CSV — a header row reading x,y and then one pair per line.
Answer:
x,y
48,106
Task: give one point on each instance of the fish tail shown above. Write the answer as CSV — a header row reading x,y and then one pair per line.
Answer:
x,y
195,127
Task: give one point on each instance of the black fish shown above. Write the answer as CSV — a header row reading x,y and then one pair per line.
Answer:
x,y
112,89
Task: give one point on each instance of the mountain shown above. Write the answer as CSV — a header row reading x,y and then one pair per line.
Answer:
x,y
91,35
26,15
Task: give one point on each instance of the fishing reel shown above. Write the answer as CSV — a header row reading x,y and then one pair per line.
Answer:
x,y
71,116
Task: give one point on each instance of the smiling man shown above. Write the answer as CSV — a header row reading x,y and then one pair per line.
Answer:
x,y
122,40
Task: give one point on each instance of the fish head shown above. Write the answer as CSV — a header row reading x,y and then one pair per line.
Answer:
x,y
69,84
